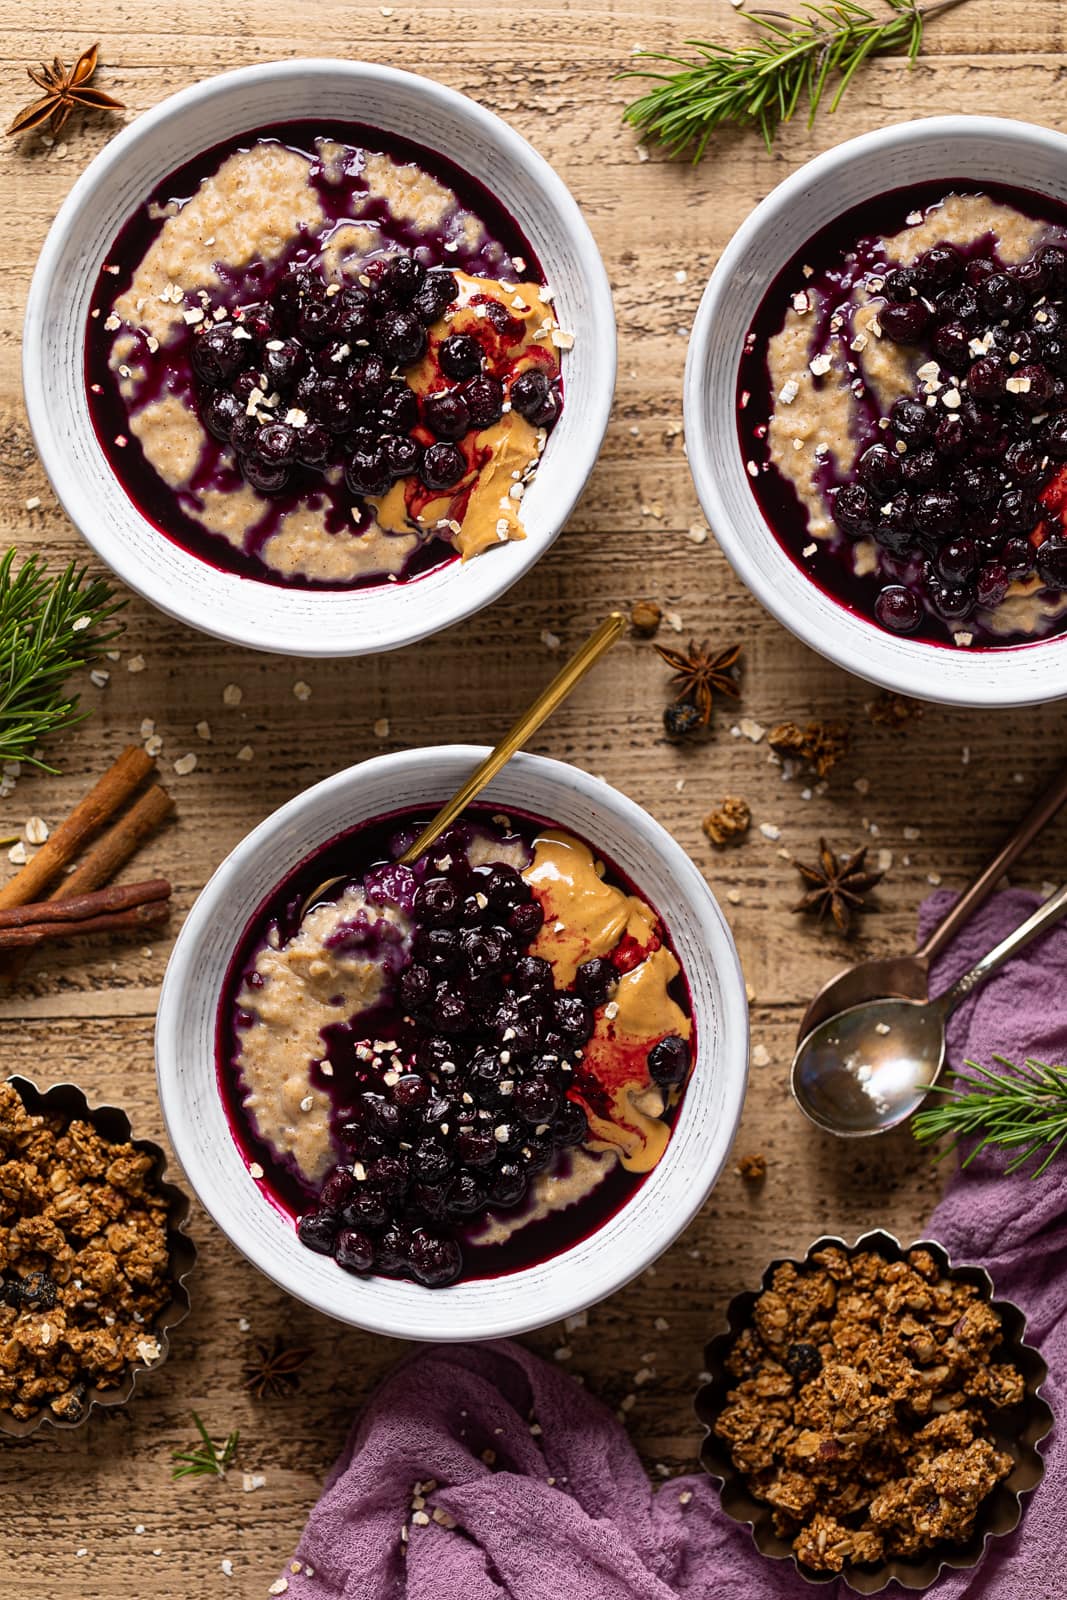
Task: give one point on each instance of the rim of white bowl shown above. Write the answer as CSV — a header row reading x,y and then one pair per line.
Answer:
x,y
1000,677
568,478
478,1308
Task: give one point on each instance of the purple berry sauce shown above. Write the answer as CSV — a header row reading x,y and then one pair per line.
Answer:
x,y
434,1167
961,485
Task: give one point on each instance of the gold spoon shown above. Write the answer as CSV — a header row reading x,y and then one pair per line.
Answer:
x,y
600,640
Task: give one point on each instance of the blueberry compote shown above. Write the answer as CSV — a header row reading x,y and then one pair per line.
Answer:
x,y
903,412
459,1068
320,357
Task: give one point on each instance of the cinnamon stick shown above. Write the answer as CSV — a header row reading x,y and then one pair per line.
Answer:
x,y
100,864
107,797
134,919
76,908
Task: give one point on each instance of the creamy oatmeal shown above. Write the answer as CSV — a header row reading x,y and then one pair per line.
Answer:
x,y
316,361
472,1061
903,411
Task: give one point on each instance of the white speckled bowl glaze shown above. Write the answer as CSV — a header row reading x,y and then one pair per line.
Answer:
x,y
240,610
659,1210
986,149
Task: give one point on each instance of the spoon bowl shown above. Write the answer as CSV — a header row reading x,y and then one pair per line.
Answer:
x,y
867,1069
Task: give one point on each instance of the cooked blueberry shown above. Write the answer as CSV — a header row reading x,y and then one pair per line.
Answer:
x,y
355,1250
390,1174
402,454
1017,557
475,1147
937,511
221,412
879,468
460,356
316,320
959,305
411,1092
957,559
437,903
953,601
367,473
442,466
979,271
938,268
402,277
434,1259
570,1125
275,443
897,608
394,1248
1036,386
899,285
537,1099
507,1185
366,1208
853,510
336,1190
318,1230
532,974
895,528
430,1161
951,345
529,393
668,1061
434,296
526,920
1051,563
283,365
354,314
216,355
991,584
312,444
336,408
1023,461
1054,264
485,400
595,979
1002,296
911,420
976,486
398,409
950,437
920,468
402,336
264,477
446,414
1017,511
904,324
450,1012
465,1195
573,1017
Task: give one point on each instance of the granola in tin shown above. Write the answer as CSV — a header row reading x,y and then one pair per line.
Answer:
x,y
861,1412
83,1261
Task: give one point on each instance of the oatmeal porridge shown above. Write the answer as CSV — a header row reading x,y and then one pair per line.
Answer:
x,y
319,361
902,408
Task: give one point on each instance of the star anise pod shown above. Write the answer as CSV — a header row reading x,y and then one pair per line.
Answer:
x,y
701,672
64,88
836,886
276,1371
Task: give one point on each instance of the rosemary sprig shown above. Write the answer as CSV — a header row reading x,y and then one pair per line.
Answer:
x,y
207,1459
1023,1109
761,84
50,627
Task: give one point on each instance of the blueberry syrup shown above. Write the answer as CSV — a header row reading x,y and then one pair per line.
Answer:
x,y
484,1078
334,359
963,485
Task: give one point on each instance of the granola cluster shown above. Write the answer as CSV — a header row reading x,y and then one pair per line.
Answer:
x,y
83,1261
861,1411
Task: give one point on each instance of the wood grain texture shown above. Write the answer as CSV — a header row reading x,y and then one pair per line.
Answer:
x,y
958,777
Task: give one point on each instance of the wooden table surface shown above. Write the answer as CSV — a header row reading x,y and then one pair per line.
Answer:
x,y
83,1512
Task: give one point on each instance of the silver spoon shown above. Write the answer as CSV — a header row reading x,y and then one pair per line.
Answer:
x,y
867,1069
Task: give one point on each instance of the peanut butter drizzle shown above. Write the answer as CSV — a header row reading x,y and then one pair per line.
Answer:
x,y
586,917
481,508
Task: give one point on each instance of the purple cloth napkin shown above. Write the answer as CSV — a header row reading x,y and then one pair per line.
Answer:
x,y
567,1513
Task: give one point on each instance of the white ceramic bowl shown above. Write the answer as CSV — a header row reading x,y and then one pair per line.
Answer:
x,y
986,149
663,1205
240,610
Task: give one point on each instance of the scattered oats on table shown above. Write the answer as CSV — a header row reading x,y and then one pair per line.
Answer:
x,y
730,823
753,1169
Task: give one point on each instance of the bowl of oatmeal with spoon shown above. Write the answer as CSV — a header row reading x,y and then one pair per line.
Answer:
x,y
294,363
877,420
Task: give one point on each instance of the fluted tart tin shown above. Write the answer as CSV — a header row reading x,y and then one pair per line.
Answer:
x,y
67,1102
1017,1429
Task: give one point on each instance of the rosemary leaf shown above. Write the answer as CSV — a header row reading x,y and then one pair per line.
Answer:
x,y
1023,1109
762,83
206,1459
50,627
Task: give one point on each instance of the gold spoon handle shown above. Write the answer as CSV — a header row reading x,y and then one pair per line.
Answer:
x,y
547,701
